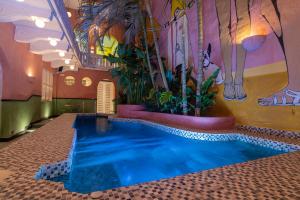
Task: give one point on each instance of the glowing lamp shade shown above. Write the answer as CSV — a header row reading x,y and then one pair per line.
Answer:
x,y
69,14
67,62
72,67
40,23
253,43
61,54
53,42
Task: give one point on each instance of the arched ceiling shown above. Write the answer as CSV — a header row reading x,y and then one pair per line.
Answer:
x,y
23,14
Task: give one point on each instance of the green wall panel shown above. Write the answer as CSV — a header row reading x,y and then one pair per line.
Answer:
x,y
16,116
61,106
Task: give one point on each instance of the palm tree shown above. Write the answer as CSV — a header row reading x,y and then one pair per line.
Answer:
x,y
147,51
81,29
161,67
200,59
183,80
109,13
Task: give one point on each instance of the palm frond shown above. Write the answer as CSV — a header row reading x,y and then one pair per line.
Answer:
x,y
109,13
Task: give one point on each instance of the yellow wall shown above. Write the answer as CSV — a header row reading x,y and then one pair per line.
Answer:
x,y
248,112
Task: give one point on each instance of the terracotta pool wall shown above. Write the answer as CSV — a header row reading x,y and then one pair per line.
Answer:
x,y
203,123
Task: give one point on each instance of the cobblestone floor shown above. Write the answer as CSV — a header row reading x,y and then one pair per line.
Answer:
x,y
276,177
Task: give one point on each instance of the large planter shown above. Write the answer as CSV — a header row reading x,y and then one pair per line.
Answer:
x,y
124,110
189,122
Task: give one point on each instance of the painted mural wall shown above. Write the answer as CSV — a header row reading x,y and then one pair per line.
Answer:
x,y
254,42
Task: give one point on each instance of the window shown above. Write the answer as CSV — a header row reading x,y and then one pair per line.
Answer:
x,y
69,80
86,81
47,85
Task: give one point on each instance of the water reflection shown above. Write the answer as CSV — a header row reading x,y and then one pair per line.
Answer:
x,y
102,124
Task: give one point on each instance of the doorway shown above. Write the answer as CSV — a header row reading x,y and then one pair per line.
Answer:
x,y
105,97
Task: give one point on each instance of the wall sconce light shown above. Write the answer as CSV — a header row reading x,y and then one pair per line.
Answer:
x,y
29,74
253,43
29,71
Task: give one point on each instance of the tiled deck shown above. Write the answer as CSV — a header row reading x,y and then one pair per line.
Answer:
x,y
276,177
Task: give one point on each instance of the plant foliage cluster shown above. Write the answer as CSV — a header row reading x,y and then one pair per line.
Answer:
x,y
141,74
133,79
134,84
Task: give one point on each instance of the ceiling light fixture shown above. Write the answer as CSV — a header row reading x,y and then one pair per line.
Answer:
x,y
67,61
72,67
20,0
69,14
61,54
53,42
39,22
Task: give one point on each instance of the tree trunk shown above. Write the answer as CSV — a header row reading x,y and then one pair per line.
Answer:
x,y
161,67
183,79
147,52
200,58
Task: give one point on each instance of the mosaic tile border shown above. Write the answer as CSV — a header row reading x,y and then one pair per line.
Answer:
x,y
53,170
61,168
217,136
270,131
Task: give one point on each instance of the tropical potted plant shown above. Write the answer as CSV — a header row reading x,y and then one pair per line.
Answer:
x,y
133,78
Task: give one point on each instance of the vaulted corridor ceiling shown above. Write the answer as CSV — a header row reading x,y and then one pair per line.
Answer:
x,y
37,24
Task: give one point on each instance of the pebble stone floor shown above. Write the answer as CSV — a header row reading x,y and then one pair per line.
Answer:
x,y
276,177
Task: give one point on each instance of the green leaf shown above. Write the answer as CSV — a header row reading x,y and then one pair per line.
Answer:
x,y
140,54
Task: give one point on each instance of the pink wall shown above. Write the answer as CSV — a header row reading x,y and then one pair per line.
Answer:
x,y
78,90
18,64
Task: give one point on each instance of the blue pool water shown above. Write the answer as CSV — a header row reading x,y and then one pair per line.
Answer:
x,y
130,153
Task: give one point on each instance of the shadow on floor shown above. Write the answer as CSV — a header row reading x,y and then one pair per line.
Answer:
x,y
31,129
